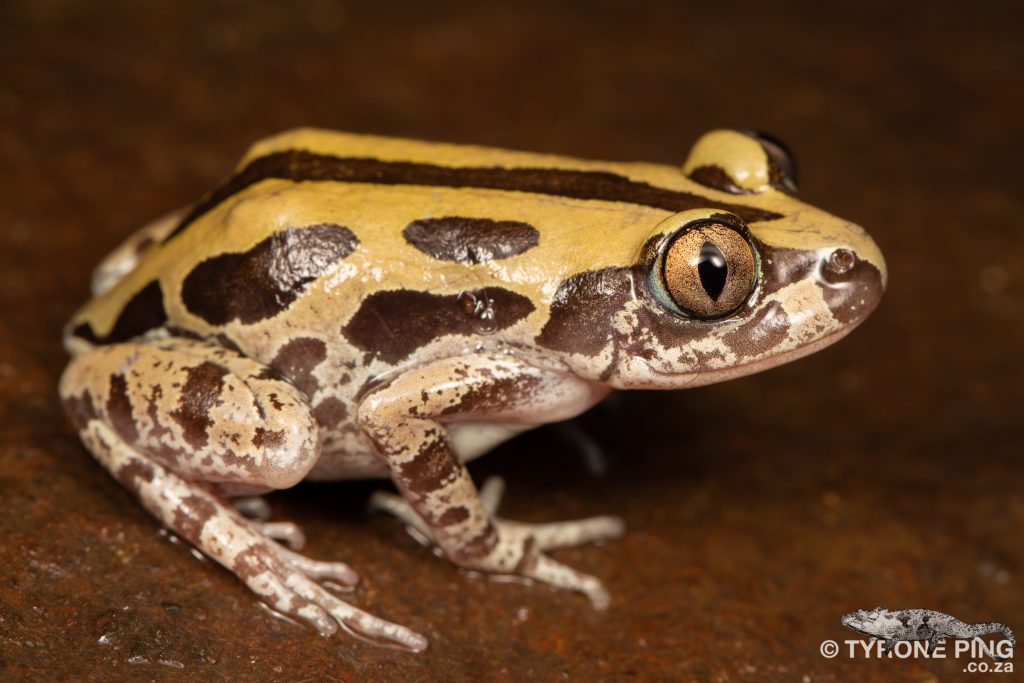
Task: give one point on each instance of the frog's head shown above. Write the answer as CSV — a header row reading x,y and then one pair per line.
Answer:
x,y
715,297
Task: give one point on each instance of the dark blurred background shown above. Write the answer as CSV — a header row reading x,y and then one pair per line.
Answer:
x,y
886,469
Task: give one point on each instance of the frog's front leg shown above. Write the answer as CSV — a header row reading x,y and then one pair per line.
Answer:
x,y
408,419
179,421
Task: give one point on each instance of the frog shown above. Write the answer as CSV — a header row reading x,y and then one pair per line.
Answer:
x,y
350,306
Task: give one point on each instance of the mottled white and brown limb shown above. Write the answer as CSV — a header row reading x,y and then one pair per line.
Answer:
x,y
175,420
408,420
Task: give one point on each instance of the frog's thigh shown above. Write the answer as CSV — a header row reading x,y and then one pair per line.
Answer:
x,y
408,420
207,413
161,416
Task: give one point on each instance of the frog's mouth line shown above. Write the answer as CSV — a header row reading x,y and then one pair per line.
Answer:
x,y
713,376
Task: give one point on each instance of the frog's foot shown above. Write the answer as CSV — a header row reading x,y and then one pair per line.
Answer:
x,y
520,546
284,579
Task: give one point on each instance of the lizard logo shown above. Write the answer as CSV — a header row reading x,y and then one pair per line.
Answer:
x,y
921,624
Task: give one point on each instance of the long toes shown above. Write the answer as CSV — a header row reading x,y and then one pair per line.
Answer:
x,y
315,569
356,622
491,493
396,505
319,618
379,632
281,581
288,532
562,576
577,532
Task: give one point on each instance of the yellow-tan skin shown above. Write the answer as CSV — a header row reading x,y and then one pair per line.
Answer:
x,y
191,412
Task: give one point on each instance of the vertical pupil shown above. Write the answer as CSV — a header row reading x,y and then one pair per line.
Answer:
x,y
712,269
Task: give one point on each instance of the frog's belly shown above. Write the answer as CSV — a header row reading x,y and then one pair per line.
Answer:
x,y
356,459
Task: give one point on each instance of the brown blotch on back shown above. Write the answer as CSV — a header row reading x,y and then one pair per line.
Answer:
x,y
297,359
583,308
199,395
470,240
143,312
393,324
119,409
260,283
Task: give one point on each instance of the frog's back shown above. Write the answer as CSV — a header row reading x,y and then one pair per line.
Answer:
x,y
317,227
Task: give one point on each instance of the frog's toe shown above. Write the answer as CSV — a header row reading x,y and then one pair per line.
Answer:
x,y
318,570
491,494
397,506
357,623
576,532
554,573
287,532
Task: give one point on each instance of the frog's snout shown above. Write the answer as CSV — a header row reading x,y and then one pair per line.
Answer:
x,y
852,281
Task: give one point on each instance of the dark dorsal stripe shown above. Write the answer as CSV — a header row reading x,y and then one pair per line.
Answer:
x,y
301,165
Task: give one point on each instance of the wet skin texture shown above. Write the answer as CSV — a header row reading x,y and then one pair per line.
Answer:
x,y
612,286
770,510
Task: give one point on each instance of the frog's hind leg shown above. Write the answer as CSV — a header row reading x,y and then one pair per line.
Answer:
x,y
175,419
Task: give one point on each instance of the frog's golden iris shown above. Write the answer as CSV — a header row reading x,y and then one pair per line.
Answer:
x,y
709,269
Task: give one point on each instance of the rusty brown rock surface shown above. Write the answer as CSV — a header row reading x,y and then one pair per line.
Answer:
x,y
887,469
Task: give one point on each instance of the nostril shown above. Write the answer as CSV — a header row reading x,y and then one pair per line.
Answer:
x,y
841,261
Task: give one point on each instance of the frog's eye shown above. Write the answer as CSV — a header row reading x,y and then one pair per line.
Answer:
x,y
709,269
746,162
